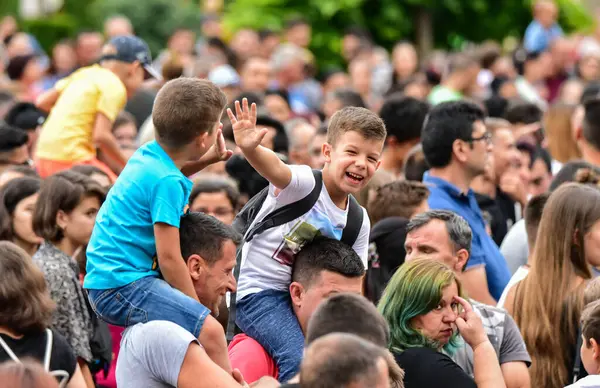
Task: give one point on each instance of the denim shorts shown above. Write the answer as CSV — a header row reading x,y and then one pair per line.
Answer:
x,y
148,299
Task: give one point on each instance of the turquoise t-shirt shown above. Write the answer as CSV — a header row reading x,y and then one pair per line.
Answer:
x,y
122,248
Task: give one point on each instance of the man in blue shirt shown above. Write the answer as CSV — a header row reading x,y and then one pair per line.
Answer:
x,y
543,29
457,146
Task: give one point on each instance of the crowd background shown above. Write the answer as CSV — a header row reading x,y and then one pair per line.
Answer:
x,y
531,71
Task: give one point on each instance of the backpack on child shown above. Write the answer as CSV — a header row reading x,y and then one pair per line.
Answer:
x,y
282,216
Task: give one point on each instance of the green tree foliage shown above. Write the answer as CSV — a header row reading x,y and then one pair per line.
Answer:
x,y
153,20
454,21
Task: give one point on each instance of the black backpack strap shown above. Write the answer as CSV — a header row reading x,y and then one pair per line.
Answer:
x,y
280,216
353,223
577,362
289,212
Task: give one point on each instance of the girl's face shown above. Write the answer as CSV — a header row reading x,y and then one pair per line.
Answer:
x,y
592,245
34,71
78,224
22,220
125,135
589,68
438,324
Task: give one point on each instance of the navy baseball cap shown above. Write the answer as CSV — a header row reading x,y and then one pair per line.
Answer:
x,y
131,49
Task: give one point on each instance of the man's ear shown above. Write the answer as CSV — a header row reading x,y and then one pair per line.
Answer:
x,y
458,150
196,266
595,349
463,256
326,150
297,293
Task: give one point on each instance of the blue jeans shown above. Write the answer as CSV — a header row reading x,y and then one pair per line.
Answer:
x,y
268,317
148,299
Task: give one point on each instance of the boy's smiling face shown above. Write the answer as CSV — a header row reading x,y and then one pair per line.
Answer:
x,y
352,161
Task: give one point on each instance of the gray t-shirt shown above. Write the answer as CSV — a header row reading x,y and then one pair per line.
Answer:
x,y
502,332
152,354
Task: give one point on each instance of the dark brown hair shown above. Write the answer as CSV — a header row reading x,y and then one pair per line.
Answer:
x,y
25,304
360,120
590,327
184,109
533,216
62,191
397,199
122,119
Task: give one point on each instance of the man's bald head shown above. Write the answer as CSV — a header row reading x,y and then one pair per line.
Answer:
x,y
344,360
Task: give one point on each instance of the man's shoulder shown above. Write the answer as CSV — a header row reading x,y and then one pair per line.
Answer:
x,y
247,355
155,332
491,316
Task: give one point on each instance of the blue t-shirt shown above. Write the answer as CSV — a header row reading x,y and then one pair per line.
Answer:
x,y
484,250
538,39
122,248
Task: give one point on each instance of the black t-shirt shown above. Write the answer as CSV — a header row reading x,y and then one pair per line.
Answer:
x,y
427,368
34,346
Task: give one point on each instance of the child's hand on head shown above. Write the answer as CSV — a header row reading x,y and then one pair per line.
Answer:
x,y
246,135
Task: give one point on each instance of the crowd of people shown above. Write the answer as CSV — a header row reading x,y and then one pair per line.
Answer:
x,y
229,215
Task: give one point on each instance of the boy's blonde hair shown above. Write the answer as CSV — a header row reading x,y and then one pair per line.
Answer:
x,y
356,119
184,109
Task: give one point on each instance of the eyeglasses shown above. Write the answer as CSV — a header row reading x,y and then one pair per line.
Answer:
x,y
487,137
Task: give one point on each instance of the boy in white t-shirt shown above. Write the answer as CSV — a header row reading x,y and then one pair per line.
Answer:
x,y
355,140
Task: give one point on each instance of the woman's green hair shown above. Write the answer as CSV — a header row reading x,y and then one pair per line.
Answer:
x,y
416,289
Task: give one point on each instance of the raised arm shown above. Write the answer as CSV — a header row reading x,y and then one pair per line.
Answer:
x,y
248,138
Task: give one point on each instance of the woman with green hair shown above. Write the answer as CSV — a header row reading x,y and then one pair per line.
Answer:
x,y
428,318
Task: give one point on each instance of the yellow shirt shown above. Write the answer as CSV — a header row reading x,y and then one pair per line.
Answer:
x,y
67,134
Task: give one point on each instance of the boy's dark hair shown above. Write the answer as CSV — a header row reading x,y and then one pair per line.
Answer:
x,y
324,254
10,195
543,155
184,109
348,313
533,215
591,125
397,199
347,97
216,186
11,138
415,164
285,96
446,123
590,327
204,235
521,112
404,117
62,191
360,120
124,118
496,106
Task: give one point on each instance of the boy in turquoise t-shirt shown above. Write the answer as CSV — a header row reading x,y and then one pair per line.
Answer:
x,y
135,242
